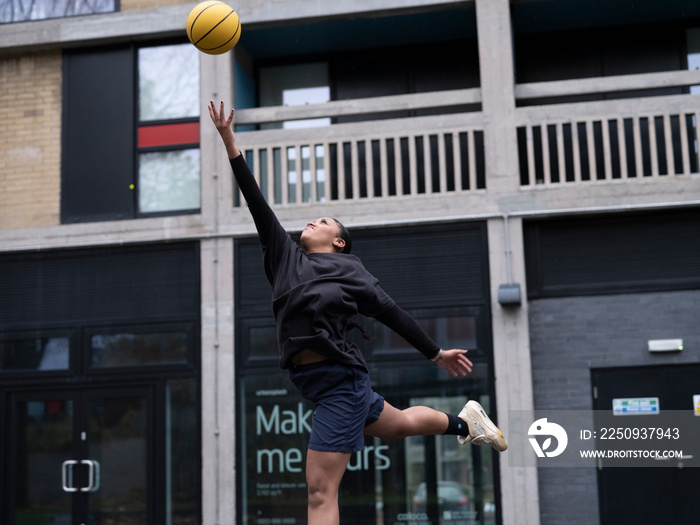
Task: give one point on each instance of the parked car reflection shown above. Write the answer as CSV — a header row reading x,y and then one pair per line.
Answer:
x,y
451,497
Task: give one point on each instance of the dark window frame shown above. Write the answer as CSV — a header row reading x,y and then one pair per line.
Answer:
x,y
100,164
70,333
172,326
650,238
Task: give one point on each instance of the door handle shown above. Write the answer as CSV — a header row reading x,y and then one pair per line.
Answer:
x,y
67,475
93,475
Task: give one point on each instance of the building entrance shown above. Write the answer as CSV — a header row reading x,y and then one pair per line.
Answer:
x,y
99,386
81,456
639,495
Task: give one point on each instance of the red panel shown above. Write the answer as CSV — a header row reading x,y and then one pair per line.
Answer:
x,y
54,407
169,134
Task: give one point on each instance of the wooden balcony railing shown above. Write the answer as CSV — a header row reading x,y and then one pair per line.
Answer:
x,y
369,160
612,140
624,139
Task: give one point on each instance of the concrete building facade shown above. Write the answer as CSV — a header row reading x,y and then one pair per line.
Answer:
x,y
521,176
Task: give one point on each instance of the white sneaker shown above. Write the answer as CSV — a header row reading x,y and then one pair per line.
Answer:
x,y
481,428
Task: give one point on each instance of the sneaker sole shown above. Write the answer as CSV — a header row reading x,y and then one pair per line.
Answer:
x,y
474,413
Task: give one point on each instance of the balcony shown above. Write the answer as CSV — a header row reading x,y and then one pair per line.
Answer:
x,y
620,141
623,139
397,157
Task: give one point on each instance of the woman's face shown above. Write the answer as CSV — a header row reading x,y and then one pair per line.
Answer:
x,y
322,236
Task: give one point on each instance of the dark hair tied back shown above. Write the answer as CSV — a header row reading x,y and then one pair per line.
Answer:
x,y
345,235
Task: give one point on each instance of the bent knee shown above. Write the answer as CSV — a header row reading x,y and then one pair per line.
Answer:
x,y
320,493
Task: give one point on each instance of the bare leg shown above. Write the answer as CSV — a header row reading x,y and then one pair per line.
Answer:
x,y
413,421
324,470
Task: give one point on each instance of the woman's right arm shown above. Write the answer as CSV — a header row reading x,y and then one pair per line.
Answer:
x,y
263,216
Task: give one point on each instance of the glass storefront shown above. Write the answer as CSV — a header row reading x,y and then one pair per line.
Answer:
x,y
418,480
437,274
99,386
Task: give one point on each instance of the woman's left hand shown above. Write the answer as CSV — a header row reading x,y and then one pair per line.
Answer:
x,y
455,362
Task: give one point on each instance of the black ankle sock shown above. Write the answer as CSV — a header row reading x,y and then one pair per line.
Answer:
x,y
456,426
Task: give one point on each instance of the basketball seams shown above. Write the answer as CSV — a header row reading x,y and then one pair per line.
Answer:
x,y
232,36
217,25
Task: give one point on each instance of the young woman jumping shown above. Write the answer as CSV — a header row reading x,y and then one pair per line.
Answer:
x,y
318,290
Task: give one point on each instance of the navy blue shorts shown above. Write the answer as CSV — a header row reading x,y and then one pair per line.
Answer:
x,y
345,404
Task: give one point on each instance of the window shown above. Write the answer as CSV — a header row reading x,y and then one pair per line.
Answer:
x,y
146,161
613,254
130,348
452,330
385,482
38,352
168,134
19,11
295,85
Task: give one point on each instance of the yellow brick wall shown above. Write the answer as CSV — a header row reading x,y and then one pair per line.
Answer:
x,y
131,5
30,140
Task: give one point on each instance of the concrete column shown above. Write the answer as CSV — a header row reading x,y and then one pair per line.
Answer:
x,y
512,369
218,394
498,94
216,83
217,369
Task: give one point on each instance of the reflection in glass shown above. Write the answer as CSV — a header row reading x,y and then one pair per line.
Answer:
x,y
388,481
21,11
45,441
169,181
274,432
263,341
464,491
113,350
40,353
458,331
168,88
117,436
182,449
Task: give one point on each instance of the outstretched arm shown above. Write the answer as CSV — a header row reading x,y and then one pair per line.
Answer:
x,y
454,361
263,216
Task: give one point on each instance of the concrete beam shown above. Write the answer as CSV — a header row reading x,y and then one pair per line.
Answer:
x,y
138,25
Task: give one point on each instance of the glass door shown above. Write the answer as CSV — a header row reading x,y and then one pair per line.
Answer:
x,y
81,457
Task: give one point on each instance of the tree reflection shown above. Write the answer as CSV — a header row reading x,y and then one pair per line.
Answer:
x,y
23,10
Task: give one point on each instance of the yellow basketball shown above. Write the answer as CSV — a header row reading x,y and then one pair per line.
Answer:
x,y
213,27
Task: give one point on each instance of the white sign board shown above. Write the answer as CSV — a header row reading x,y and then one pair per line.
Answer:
x,y
636,406
696,404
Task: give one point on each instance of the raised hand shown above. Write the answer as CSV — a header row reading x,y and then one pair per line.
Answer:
x,y
224,127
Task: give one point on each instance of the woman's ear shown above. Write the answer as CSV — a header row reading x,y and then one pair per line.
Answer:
x,y
339,243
